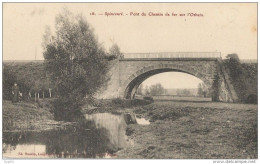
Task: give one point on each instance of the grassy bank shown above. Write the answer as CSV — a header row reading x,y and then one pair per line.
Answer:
x,y
24,116
113,105
178,130
184,130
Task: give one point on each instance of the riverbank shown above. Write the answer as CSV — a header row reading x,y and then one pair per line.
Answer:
x,y
185,130
177,130
31,116
28,116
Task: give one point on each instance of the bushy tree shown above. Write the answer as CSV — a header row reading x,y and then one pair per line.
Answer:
x,y
41,87
183,92
9,78
75,61
115,52
237,76
140,90
186,92
8,81
156,89
234,65
146,91
31,78
202,90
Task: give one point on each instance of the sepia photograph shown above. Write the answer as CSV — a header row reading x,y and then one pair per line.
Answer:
x,y
130,81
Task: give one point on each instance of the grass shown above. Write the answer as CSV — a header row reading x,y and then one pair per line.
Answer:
x,y
26,116
178,130
112,105
183,130
183,98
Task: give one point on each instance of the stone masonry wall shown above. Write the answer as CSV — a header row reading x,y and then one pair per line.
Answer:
x,y
124,70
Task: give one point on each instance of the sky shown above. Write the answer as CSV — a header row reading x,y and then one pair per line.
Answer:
x,y
170,80
224,27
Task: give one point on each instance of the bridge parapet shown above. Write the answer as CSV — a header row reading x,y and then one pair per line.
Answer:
x,y
173,55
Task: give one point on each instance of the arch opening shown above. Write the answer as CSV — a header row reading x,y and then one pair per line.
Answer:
x,y
133,85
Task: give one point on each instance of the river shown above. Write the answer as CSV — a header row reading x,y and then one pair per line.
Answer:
x,y
100,135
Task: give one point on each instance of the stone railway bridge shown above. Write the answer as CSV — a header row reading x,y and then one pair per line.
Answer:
x,y
128,73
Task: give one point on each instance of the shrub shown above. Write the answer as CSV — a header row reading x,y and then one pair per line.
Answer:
x,y
127,103
251,99
148,98
236,74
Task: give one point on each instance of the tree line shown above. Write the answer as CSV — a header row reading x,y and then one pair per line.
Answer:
x,y
153,90
158,89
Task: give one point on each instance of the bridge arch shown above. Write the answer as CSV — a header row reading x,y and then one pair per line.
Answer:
x,y
132,83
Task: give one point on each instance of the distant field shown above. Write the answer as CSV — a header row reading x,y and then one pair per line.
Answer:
x,y
176,98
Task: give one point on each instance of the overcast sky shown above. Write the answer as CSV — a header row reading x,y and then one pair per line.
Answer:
x,y
226,28
171,80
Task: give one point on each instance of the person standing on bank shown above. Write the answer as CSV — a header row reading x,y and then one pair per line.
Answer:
x,y
15,92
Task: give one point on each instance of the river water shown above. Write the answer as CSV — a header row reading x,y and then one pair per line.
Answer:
x,y
100,135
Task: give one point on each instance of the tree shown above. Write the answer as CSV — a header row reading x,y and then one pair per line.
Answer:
x,y
156,89
8,81
115,52
237,75
186,92
183,92
234,65
41,88
202,90
140,90
11,75
146,91
179,92
76,63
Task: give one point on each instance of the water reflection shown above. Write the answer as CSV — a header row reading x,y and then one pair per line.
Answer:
x,y
114,124
142,121
99,136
